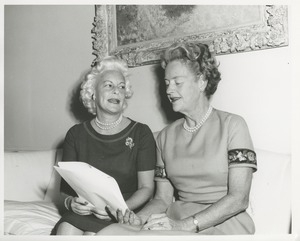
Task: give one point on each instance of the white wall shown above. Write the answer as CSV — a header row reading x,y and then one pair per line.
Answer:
x,y
255,85
48,48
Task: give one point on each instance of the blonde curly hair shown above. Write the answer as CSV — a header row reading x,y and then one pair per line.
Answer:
x,y
88,85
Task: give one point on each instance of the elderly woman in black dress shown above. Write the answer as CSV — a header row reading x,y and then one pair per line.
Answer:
x,y
111,142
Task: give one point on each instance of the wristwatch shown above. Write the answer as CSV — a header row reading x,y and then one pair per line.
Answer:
x,y
195,221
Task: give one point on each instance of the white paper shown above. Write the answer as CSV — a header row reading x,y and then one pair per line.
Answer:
x,y
92,185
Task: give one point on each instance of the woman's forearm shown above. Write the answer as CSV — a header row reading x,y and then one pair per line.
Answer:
x,y
236,201
140,197
160,202
153,207
218,212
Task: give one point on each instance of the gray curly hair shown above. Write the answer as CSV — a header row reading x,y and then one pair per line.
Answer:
x,y
199,59
89,83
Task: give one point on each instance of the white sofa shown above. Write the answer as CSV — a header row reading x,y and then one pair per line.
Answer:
x,y
31,189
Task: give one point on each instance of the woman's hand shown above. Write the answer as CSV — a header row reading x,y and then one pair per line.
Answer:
x,y
162,222
129,218
80,206
102,214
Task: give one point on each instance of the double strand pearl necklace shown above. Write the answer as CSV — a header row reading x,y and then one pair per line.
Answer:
x,y
196,127
108,126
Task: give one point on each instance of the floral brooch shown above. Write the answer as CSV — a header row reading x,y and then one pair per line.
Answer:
x,y
129,142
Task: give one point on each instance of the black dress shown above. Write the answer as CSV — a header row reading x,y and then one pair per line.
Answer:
x,y
120,155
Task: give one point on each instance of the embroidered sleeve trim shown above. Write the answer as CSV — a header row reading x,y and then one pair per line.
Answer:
x,y
242,156
160,172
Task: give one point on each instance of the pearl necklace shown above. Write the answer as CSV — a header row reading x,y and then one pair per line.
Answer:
x,y
108,126
196,127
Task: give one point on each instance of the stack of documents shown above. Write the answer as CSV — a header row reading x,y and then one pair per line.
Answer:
x,y
92,185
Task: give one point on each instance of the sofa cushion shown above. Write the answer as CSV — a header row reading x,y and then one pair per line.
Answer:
x,y
27,174
270,196
29,218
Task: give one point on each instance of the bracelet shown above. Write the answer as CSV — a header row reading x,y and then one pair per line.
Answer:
x,y
67,202
195,221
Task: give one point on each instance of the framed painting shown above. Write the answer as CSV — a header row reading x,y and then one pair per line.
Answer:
x,y
140,33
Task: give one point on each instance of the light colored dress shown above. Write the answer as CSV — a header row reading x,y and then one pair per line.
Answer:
x,y
197,165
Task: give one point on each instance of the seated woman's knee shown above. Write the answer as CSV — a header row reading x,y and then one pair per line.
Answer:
x,y
121,229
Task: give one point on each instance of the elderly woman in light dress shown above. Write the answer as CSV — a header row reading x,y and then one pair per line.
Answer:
x,y
205,159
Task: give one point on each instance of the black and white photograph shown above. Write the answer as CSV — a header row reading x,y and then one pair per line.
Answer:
x,y
171,121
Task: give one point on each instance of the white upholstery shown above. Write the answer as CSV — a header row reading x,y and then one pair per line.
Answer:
x,y
270,196
30,176
30,218
27,174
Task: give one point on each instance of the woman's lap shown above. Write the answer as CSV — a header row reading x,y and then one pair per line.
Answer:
x,y
123,229
88,223
239,224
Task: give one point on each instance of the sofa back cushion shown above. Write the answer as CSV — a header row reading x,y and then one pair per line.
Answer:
x,y
270,196
27,174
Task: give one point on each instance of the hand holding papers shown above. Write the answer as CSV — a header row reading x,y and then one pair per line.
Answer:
x,y
92,185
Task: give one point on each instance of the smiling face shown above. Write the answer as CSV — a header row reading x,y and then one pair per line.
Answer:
x,y
183,87
110,92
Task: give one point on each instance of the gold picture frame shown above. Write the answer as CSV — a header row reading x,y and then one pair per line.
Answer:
x,y
240,29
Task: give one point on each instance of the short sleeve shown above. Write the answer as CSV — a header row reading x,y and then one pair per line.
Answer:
x,y
160,171
146,155
240,147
